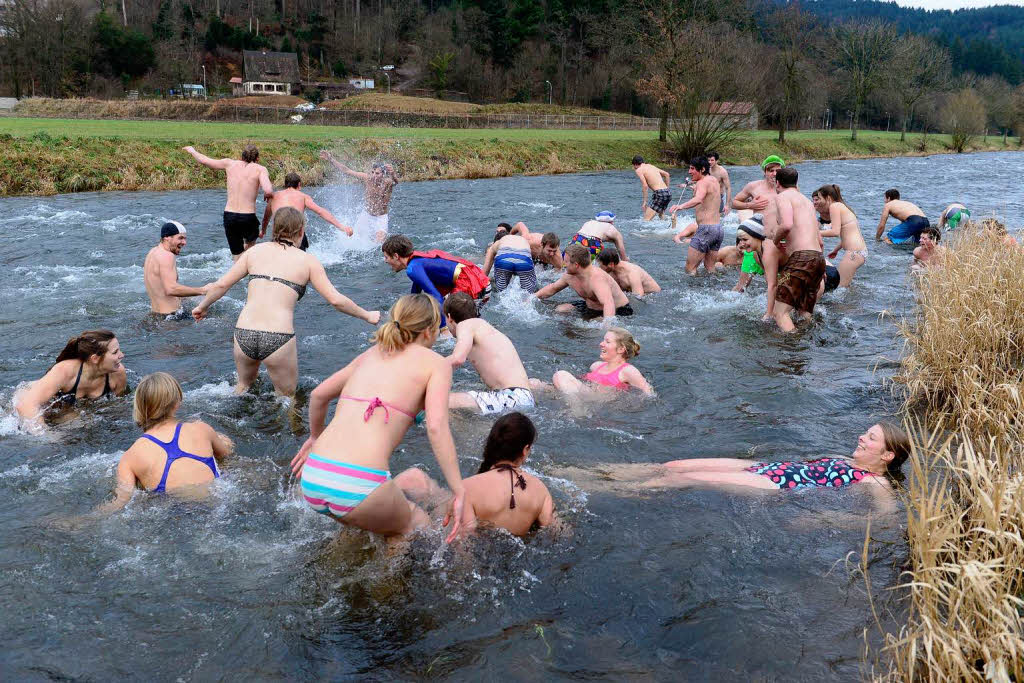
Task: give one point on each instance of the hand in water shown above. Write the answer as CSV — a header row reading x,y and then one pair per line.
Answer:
x,y
300,458
834,253
456,505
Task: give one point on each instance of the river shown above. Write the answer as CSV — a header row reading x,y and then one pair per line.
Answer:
x,y
250,584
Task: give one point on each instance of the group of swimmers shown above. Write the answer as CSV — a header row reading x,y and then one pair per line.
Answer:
x,y
343,466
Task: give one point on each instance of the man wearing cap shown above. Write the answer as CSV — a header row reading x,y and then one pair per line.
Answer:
x,y
757,195
293,196
595,233
653,178
160,273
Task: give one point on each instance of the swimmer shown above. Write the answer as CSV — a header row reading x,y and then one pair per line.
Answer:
x,y
160,273
657,181
759,253
512,258
930,252
722,175
344,466
89,367
730,256
436,272
544,248
170,454
279,273
953,216
492,354
378,185
613,370
998,228
501,494
757,195
828,202
913,221
602,296
245,179
595,233
629,276
293,196
706,200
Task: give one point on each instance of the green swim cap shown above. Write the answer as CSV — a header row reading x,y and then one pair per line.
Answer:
x,y
773,159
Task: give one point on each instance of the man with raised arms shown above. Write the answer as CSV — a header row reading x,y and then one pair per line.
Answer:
x,y
707,198
912,219
544,248
593,234
493,356
722,175
245,179
657,181
293,196
757,195
378,185
629,276
602,296
792,219
160,273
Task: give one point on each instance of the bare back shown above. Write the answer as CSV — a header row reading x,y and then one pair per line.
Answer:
x,y
493,355
150,459
378,194
901,209
157,261
803,236
583,284
270,305
489,495
243,186
515,243
651,175
289,197
599,229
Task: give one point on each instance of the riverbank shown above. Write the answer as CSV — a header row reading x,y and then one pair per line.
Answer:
x,y
53,156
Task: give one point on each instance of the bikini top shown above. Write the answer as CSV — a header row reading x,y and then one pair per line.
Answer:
x,y
69,398
375,403
514,478
174,452
299,289
608,379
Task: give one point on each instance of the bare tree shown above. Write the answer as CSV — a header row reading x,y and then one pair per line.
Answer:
x,y
791,90
919,67
863,51
963,116
997,95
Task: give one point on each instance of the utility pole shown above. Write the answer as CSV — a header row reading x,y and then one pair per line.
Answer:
x,y
548,83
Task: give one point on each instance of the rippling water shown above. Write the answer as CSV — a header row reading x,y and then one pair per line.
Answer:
x,y
251,584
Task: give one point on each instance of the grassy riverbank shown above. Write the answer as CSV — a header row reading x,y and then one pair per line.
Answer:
x,y
48,156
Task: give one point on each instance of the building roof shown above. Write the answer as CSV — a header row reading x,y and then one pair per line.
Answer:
x,y
270,67
236,79
729,108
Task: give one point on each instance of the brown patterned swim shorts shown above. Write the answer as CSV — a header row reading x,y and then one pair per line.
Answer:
x,y
799,279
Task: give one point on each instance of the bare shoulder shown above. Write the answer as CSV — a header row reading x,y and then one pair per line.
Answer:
x,y
119,381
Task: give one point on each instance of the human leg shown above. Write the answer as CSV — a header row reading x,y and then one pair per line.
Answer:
x,y
709,465
782,317
711,480
693,259
566,383
848,267
283,368
501,279
462,400
416,484
710,261
386,511
246,368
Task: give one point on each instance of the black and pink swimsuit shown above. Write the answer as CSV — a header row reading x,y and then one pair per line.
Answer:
x,y
820,473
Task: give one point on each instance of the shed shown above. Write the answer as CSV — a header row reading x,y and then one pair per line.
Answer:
x,y
269,73
361,83
744,113
237,89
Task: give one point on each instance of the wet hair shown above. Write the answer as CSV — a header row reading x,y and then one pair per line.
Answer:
x,y
460,306
410,315
509,435
578,254
550,239
90,342
250,154
832,193
609,256
505,226
897,441
399,245
637,160
934,233
292,180
714,155
786,177
156,398
288,225
701,164
625,339
499,234
892,194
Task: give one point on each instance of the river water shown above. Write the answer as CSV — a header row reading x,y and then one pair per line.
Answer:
x,y
251,584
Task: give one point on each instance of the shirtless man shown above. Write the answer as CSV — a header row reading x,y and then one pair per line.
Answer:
x,y
707,198
293,196
543,248
793,219
602,296
929,253
595,233
511,257
629,276
245,179
913,221
160,274
719,172
493,356
953,216
653,178
757,195
378,184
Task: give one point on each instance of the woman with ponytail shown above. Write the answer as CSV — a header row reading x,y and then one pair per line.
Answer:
x,y
278,274
833,209
88,367
344,465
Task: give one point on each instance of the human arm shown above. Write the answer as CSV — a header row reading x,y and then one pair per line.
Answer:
x,y
881,223
169,279
743,282
620,245
222,444
322,284
463,345
643,188
603,294
728,194
784,210
319,399
327,156
267,213
489,258
127,480
546,516
552,289
216,290
745,200
216,164
439,433
327,216
699,192
634,378
636,281
30,403
770,263
835,216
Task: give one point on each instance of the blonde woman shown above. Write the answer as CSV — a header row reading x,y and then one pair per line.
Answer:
x,y
278,275
612,370
829,203
170,454
344,466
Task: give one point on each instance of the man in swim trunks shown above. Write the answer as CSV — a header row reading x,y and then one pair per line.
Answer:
x,y
511,257
378,185
245,179
722,175
629,276
793,219
953,216
544,248
595,233
293,196
757,195
707,196
913,221
653,178
493,356
602,296
160,273
436,272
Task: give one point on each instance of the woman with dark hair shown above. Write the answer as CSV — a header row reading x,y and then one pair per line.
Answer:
x,y
832,209
501,494
88,367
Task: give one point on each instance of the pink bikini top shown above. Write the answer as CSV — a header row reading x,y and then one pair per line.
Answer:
x,y
608,379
